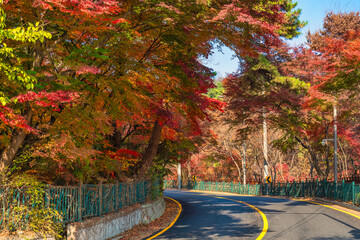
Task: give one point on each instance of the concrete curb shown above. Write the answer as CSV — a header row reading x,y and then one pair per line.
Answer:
x,y
345,205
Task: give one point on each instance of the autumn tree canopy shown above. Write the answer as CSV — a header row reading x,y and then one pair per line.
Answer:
x,y
91,90
296,90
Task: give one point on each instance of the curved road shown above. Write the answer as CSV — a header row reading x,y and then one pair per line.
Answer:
x,y
205,216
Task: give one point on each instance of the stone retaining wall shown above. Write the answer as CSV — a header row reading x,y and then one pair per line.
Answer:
x,y
111,225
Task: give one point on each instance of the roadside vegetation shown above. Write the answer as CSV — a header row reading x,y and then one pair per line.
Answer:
x,y
107,91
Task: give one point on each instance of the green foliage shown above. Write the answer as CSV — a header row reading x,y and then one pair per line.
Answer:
x,y
292,82
285,143
216,92
10,63
292,28
156,187
28,211
21,163
168,154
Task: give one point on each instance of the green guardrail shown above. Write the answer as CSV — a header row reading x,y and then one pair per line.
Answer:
x,y
231,187
344,192
76,203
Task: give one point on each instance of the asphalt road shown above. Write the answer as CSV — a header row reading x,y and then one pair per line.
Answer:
x,y
205,216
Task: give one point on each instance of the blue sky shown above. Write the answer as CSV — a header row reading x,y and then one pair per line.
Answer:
x,y
313,11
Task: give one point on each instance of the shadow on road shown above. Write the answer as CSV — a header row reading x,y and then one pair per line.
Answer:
x,y
206,218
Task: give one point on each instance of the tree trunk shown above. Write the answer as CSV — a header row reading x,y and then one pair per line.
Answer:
x,y
311,168
315,160
265,147
151,149
188,167
9,153
237,167
117,138
227,148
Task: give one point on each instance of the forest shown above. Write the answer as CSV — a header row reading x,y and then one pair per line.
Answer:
x,y
296,97
114,90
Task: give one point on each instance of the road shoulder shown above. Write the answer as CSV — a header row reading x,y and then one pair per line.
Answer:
x,y
145,231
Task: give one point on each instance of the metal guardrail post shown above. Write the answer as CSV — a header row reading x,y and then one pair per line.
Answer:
x,y
121,200
343,188
279,189
302,189
317,188
325,184
80,200
100,198
353,192
287,189
267,188
117,197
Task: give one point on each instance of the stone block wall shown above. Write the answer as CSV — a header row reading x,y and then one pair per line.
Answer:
x,y
111,225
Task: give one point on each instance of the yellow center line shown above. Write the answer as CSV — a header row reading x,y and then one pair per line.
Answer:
x,y
265,221
172,223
